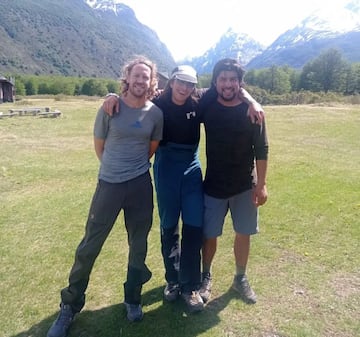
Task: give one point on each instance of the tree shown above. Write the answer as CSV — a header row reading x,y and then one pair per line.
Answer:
x,y
352,79
88,88
19,87
43,88
251,77
113,86
325,73
93,87
275,79
356,70
30,87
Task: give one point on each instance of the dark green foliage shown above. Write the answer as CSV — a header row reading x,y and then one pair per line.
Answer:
x,y
113,86
92,87
30,87
20,87
55,85
325,73
275,80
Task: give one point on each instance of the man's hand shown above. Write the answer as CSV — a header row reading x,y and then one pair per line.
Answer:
x,y
259,195
111,104
256,112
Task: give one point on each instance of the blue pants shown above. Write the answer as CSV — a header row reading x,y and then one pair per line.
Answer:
x,y
178,183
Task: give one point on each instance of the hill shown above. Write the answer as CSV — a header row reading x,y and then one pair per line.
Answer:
x,y
67,37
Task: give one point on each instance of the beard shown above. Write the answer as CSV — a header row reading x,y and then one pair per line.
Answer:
x,y
138,91
228,97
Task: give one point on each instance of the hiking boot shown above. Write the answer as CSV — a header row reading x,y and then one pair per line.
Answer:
x,y
205,289
171,292
60,327
193,301
134,312
242,286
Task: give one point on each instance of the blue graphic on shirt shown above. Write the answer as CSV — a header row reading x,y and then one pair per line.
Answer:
x,y
137,124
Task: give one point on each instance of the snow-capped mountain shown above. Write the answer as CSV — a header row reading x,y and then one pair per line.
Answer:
x,y
106,5
330,27
236,45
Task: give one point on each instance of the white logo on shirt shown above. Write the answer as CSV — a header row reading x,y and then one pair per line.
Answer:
x,y
190,114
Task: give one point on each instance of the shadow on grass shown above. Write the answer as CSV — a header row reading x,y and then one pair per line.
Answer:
x,y
168,319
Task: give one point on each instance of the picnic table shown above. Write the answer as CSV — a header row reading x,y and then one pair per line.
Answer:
x,y
31,111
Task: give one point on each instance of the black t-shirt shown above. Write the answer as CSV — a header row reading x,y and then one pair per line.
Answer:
x,y
232,145
181,122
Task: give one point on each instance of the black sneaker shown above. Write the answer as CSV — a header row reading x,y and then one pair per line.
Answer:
x,y
205,289
193,301
60,327
171,291
134,312
242,286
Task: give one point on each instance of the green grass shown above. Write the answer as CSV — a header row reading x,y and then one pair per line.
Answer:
x,y
304,263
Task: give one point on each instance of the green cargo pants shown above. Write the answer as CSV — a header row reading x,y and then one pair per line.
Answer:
x,y
135,198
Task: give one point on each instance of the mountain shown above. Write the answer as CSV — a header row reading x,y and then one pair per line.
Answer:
x,y
94,38
325,28
74,37
231,44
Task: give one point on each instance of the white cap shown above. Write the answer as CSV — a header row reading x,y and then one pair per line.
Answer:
x,y
185,73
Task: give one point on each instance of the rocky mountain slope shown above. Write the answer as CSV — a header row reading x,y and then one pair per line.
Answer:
x,y
68,37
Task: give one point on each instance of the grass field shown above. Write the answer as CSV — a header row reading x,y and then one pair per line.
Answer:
x,y
304,263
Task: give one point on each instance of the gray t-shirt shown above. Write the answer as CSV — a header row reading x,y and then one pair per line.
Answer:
x,y
127,140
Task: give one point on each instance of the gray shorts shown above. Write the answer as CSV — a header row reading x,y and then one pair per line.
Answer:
x,y
244,214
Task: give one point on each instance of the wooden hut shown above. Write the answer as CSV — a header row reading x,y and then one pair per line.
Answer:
x,y
162,80
6,90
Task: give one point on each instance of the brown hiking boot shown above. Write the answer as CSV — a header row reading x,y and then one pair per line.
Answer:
x,y
205,289
171,292
242,286
193,301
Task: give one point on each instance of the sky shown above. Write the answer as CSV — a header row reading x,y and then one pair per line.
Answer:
x,y
190,27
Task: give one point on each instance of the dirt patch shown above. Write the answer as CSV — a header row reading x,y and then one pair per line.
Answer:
x,y
346,285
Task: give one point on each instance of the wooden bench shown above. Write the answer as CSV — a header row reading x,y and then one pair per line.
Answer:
x,y
26,111
10,114
55,113
42,112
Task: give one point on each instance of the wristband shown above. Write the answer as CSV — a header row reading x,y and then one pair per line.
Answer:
x,y
112,94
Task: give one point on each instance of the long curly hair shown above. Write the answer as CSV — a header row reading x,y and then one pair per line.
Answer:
x,y
153,76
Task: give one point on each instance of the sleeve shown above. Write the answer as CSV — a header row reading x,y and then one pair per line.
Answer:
x,y
159,123
261,145
101,125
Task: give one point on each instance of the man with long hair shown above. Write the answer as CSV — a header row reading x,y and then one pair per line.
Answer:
x,y
123,144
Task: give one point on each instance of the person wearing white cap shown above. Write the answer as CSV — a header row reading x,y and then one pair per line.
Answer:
x,y
178,183
185,73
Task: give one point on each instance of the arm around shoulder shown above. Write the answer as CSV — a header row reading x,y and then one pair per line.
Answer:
x,y
255,111
111,104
